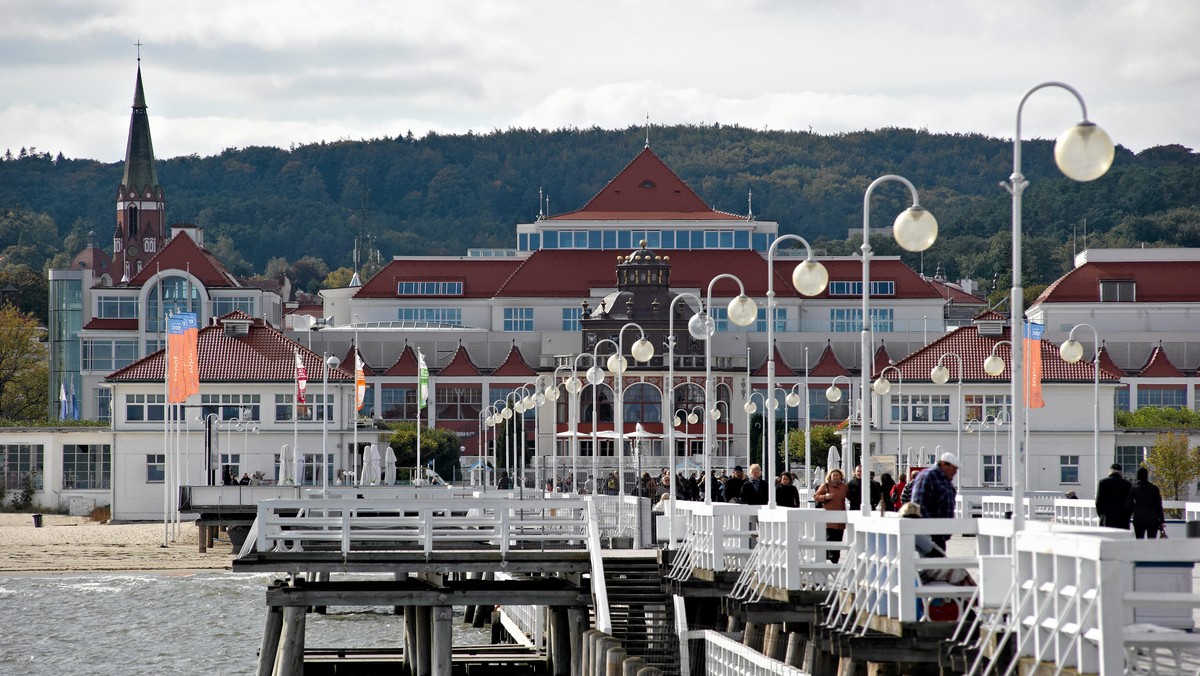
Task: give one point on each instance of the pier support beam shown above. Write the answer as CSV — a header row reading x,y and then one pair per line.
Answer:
x,y
577,620
559,644
442,658
410,640
423,619
794,657
290,661
202,537
270,641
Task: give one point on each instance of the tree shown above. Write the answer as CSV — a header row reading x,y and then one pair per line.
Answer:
x,y
440,446
1158,418
823,436
1175,467
24,369
308,273
338,279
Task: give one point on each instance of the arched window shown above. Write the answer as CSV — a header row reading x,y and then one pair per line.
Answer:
x,y
131,220
604,404
174,291
642,403
689,395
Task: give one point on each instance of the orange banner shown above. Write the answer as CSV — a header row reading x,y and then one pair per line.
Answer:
x,y
183,369
1032,362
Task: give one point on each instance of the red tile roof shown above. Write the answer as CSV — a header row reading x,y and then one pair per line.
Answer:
x,y
406,364
460,364
98,324
183,254
974,349
348,362
1159,366
262,355
882,359
1156,282
1107,363
646,189
781,367
954,293
991,316
828,365
514,365
481,277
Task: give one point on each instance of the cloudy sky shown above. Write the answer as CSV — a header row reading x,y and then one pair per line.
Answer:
x,y
221,74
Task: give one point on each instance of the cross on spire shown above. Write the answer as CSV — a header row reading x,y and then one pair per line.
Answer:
x,y
139,49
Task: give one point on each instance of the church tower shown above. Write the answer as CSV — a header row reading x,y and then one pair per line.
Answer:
x,y
141,206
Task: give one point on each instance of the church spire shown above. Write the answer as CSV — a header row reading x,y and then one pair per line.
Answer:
x,y
141,205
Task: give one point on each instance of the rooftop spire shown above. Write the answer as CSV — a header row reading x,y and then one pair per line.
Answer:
x,y
139,150
647,129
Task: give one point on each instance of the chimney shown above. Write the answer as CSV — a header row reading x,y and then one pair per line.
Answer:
x,y
193,231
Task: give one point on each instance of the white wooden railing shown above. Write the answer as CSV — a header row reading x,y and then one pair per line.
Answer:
x,y
790,553
526,624
719,538
350,524
723,656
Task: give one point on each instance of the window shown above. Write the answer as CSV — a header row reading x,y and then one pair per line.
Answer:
x,y
518,319
224,305
103,403
156,468
108,355
1167,396
149,244
984,406
641,403
921,408
821,409
849,320
449,316
368,404
306,412
1130,458
1122,398
87,466
19,461
178,294
1068,469
398,403
570,318
760,324
459,403
1117,291
145,407
234,462
878,288
117,307
993,470
429,289
603,404
313,470
232,406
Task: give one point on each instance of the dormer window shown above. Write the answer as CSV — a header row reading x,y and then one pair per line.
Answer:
x,y
647,184
1117,291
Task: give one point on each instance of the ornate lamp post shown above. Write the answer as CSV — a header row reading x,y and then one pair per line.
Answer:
x,y
882,386
643,351
669,395
1083,153
810,278
1071,352
330,362
941,375
833,395
742,312
915,229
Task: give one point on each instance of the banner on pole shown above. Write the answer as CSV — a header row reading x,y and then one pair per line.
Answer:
x,y
422,380
360,382
301,380
183,371
1033,365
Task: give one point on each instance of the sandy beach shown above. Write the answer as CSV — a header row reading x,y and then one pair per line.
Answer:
x,y
76,544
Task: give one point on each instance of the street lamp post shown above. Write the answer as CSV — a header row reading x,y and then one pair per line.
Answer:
x,y
330,362
595,378
833,395
980,426
574,387
810,278
793,400
882,386
642,351
941,375
669,398
1071,352
751,408
1083,153
915,229
742,312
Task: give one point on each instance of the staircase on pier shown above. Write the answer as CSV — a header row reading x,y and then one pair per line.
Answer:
x,y
641,612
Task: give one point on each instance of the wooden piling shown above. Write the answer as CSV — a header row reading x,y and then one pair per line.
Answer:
x,y
410,640
632,665
559,645
442,648
270,641
752,638
577,617
202,537
585,655
614,663
774,642
290,660
424,622
794,657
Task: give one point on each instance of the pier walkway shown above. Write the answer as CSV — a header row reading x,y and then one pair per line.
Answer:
x,y
742,589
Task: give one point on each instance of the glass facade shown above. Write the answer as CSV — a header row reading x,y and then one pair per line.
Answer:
x,y
21,461
596,238
177,295
87,466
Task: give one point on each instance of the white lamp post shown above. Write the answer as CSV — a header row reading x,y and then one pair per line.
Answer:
x,y
882,387
941,375
330,362
595,378
1083,153
742,312
810,278
1071,352
833,395
751,408
793,400
915,229
642,351
669,399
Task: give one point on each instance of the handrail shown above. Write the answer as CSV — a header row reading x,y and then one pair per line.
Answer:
x,y
599,586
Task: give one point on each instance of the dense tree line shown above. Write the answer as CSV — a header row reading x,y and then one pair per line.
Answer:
x,y
441,194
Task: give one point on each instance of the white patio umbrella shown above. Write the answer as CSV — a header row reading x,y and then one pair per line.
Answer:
x,y
298,465
287,467
371,466
389,467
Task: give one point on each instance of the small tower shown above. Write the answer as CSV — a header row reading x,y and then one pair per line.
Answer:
x,y
141,206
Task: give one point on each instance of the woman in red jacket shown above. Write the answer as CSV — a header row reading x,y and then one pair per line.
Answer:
x,y
832,495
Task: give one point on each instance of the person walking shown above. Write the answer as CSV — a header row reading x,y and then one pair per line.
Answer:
x,y
733,485
786,494
1111,494
831,496
934,491
886,484
1145,504
854,491
754,490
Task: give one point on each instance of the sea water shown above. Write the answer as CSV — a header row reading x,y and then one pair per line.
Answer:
x,y
165,623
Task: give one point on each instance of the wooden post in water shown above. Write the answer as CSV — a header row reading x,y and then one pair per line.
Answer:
x,y
794,657
576,617
270,641
752,637
410,640
560,641
632,666
614,665
203,537
774,642
290,660
424,621
442,658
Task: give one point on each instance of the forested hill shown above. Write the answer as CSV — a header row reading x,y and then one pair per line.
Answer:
x,y
441,194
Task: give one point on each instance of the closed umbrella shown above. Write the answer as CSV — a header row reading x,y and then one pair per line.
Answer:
x,y
389,467
371,466
298,465
287,467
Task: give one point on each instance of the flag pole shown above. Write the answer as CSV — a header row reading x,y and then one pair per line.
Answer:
x,y
359,397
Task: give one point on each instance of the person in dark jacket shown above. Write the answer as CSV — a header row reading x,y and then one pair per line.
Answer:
x,y
854,489
786,494
886,484
1111,493
754,490
733,485
1145,504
